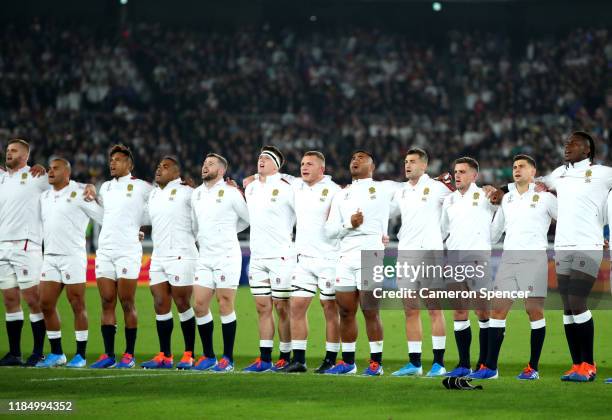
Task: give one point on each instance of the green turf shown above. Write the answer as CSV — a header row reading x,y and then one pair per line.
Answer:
x,y
153,394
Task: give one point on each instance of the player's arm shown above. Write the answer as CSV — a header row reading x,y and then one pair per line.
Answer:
x,y
551,202
391,187
498,226
240,207
335,227
442,191
38,171
446,179
444,220
496,194
394,207
194,217
92,209
548,182
289,178
147,193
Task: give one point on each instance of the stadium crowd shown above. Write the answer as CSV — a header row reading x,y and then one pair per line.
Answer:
x,y
75,91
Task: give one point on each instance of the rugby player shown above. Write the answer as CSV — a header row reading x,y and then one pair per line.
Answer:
x,y
317,256
419,202
582,190
219,212
466,224
65,217
21,249
119,255
172,262
525,217
359,217
270,201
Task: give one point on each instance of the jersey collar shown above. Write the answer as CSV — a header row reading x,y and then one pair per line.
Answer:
x,y
472,188
18,171
63,190
174,182
272,178
124,178
217,184
362,181
583,164
423,179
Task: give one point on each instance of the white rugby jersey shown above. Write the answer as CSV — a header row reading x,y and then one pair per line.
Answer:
x,y
170,214
125,209
20,205
218,213
272,217
373,198
420,207
582,190
466,220
525,218
312,206
65,216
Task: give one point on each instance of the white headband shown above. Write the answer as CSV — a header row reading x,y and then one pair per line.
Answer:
x,y
273,156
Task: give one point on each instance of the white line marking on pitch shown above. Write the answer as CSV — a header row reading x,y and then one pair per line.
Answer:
x,y
85,378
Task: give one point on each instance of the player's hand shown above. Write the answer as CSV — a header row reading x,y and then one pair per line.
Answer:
x,y
489,190
246,181
89,193
141,236
494,194
540,187
357,219
385,240
38,170
606,244
231,183
187,180
447,179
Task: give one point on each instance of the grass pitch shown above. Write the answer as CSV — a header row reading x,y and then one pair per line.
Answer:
x,y
154,394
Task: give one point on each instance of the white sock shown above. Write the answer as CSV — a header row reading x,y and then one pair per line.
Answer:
x,y
54,334
333,347
187,315
414,346
438,342
201,320
461,325
36,317
284,347
483,324
376,346
226,319
266,343
349,347
298,344
568,319
14,316
81,335
583,317
497,323
540,323
164,317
